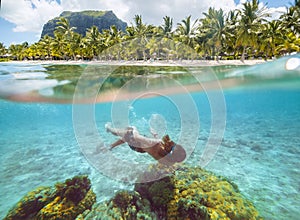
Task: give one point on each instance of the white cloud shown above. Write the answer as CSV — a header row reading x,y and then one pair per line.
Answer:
x,y
276,12
30,15
154,11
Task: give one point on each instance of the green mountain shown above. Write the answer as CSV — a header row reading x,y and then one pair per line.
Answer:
x,y
84,20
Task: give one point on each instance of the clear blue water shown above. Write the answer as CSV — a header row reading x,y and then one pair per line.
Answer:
x,y
260,150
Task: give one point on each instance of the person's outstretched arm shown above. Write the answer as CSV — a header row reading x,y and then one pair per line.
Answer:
x,y
117,143
115,131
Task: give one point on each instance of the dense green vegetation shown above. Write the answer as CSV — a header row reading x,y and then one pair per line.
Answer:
x,y
236,35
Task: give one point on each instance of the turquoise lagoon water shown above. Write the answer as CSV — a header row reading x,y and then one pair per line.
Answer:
x,y
259,150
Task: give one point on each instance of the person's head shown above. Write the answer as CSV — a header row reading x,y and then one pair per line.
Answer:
x,y
177,155
166,138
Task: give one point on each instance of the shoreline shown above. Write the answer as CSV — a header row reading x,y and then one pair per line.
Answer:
x,y
143,63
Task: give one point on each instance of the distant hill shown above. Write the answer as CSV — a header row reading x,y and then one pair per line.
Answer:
x,y
84,20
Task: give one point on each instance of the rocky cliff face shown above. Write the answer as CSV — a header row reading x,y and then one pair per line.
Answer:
x,y
84,20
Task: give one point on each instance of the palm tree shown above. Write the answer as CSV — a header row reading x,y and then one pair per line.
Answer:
x,y
115,36
141,30
64,32
290,43
18,50
186,31
45,45
231,32
291,19
112,37
3,50
33,51
58,45
291,24
166,27
251,19
75,45
92,40
140,33
213,30
161,42
65,28
271,35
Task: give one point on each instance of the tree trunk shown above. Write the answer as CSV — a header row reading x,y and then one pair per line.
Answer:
x,y
243,54
217,54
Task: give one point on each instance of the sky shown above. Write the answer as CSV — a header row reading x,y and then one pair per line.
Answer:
x,y
23,20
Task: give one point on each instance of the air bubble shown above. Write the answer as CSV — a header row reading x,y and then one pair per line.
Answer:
x,y
292,63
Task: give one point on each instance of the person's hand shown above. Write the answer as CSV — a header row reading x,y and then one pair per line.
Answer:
x,y
153,132
100,148
107,126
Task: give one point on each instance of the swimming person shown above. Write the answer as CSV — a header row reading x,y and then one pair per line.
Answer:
x,y
163,150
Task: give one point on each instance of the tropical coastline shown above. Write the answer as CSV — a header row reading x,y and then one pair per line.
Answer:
x,y
238,34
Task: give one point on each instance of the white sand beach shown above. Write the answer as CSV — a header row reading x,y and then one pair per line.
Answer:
x,y
146,63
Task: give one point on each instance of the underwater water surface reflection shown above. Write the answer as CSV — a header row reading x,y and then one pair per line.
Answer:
x,y
260,150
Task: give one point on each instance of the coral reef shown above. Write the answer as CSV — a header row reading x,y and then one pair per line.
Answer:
x,y
193,193
64,201
62,208
31,203
74,189
182,193
124,205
